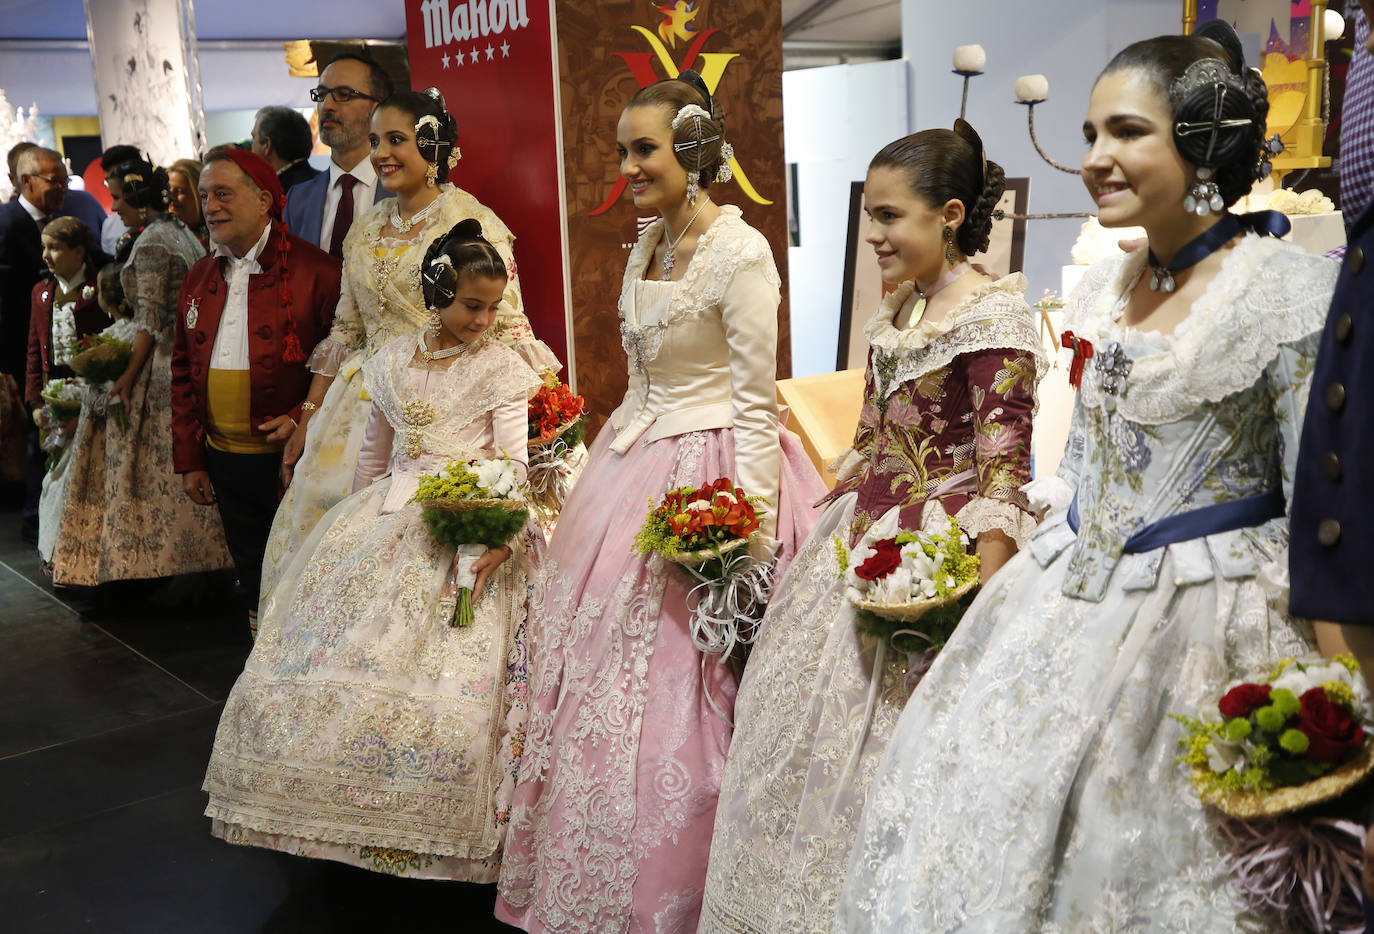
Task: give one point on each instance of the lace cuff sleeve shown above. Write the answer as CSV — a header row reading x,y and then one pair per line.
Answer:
x,y
982,514
327,357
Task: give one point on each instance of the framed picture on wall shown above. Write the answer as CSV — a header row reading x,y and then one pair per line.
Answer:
x,y
863,284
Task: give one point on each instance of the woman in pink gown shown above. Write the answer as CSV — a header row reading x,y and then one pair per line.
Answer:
x,y
629,721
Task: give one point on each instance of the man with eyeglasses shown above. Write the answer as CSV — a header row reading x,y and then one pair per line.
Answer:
x,y
323,209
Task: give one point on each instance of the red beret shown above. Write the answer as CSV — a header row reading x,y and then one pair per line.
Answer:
x,y
262,173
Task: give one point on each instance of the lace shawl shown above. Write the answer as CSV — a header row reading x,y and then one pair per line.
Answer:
x,y
1268,293
726,247
469,390
151,276
991,317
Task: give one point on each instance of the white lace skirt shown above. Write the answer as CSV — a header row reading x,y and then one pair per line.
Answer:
x,y
1032,785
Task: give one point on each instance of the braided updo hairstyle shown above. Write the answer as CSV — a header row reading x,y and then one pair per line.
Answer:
x,y
948,165
673,94
435,139
469,254
143,184
1233,153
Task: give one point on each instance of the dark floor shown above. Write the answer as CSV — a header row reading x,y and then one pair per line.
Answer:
x,y
108,705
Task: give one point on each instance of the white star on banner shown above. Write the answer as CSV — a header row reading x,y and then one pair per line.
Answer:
x,y
446,62
459,56
505,50
472,56
490,52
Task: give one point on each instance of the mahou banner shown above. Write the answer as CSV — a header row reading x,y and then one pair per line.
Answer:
x,y
608,50
493,61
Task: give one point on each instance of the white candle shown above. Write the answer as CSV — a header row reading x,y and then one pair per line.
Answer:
x,y
970,59
1032,89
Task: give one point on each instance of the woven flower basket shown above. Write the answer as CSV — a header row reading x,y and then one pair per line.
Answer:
x,y
702,555
63,409
470,505
1285,800
537,444
910,612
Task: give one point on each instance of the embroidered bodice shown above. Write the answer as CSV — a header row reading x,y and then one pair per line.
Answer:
x,y
423,418
1208,414
702,350
380,298
152,275
947,413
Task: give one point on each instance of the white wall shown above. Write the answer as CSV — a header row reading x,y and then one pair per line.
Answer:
x,y
1068,41
834,120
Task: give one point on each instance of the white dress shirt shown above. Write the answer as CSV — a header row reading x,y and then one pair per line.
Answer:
x,y
231,342
32,211
64,318
363,195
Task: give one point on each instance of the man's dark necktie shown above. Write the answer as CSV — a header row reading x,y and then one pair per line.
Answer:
x,y
343,216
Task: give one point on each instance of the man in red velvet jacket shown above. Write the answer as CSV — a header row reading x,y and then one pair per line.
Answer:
x,y
248,317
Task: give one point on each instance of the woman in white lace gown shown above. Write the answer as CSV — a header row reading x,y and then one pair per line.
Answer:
x,y
380,300
365,727
946,421
1031,784
628,720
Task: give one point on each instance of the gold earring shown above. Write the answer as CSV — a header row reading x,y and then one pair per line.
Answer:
x,y
432,175
435,322
951,251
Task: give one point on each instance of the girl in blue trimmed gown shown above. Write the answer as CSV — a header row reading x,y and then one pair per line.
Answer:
x,y
1031,784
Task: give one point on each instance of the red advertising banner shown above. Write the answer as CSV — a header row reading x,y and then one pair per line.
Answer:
x,y
607,49
493,61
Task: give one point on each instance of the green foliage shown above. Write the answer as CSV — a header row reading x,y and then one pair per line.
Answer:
x,y
841,554
656,536
454,481
938,625
1285,701
492,526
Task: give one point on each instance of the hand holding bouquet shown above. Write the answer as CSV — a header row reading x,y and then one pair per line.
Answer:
x,y
62,398
1275,747
100,360
474,506
907,577
708,530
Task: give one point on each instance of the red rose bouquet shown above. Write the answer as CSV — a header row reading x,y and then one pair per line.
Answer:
x,y
1275,749
707,530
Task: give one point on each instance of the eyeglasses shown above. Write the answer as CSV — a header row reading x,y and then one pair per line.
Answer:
x,y
61,181
342,94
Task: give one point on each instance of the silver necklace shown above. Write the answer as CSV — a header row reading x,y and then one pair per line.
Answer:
x,y
669,255
404,227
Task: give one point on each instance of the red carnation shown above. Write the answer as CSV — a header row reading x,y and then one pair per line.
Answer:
x,y
1330,729
886,556
1243,700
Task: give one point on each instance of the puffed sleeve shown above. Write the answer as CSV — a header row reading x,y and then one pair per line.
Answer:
x,y
749,313
1001,386
512,327
375,454
510,430
152,279
345,334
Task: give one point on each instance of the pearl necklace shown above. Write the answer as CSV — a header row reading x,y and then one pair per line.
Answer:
x,y
461,348
404,227
669,255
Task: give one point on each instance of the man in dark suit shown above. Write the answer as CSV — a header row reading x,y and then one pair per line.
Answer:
x,y
79,204
1331,523
248,316
323,209
282,137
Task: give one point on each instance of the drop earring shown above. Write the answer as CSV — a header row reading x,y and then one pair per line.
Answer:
x,y
951,251
693,188
1204,197
435,322
432,175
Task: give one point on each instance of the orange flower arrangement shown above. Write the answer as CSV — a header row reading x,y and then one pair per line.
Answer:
x,y
554,409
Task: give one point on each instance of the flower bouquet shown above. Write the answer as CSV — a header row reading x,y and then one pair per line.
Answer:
x,y
472,505
62,398
1276,747
908,577
707,530
557,426
100,360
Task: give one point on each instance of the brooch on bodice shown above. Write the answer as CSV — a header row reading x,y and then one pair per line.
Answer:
x,y
417,413
885,369
193,314
1113,366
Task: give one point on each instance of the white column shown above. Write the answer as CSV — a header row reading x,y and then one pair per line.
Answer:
x,y
147,76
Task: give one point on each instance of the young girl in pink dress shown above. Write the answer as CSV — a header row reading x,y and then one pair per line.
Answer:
x,y
629,726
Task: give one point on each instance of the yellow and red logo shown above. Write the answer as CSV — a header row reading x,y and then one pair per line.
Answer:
x,y
677,24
